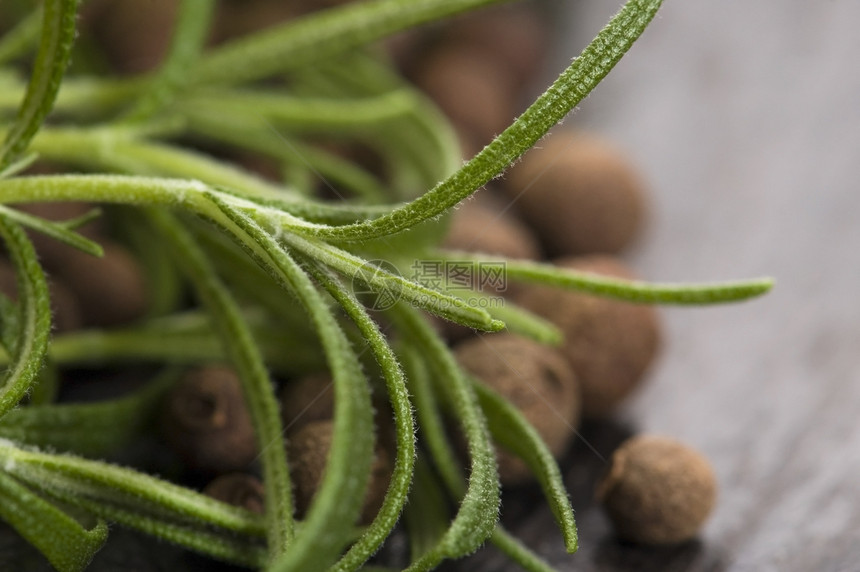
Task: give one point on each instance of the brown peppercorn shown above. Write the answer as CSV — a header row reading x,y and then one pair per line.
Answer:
x,y
111,290
134,35
66,311
238,489
657,490
307,451
305,400
536,380
480,225
609,343
579,194
205,420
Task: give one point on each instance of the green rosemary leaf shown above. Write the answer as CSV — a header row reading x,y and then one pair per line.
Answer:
x,y
55,230
18,165
426,516
91,429
300,113
431,427
263,138
476,519
244,353
58,33
22,38
172,342
518,552
386,283
197,536
71,478
34,317
401,477
315,37
9,323
527,324
45,390
569,89
162,276
513,432
67,545
189,35
628,290
327,527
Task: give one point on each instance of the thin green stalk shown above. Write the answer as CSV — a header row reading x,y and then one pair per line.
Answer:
x,y
627,290
189,36
401,476
476,519
67,545
33,318
239,344
310,39
58,34
327,527
566,92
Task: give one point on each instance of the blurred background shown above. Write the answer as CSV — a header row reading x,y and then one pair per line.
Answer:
x,y
744,118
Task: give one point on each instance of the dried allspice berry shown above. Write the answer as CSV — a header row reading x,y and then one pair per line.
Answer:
x,y
536,380
657,490
238,489
307,399
307,451
609,343
579,194
111,290
205,420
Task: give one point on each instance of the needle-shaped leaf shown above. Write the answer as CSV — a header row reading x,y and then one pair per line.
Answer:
x,y
34,317
401,476
385,282
189,35
511,430
59,231
328,525
576,82
67,545
245,356
310,39
71,477
628,290
92,429
478,513
58,34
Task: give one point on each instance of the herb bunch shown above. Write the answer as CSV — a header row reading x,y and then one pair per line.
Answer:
x,y
276,276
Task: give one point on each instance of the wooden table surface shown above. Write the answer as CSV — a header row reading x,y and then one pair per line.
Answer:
x,y
745,117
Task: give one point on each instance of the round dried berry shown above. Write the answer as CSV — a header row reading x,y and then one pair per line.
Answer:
x,y
308,450
657,490
238,489
608,343
206,422
579,194
536,380
111,290
305,400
